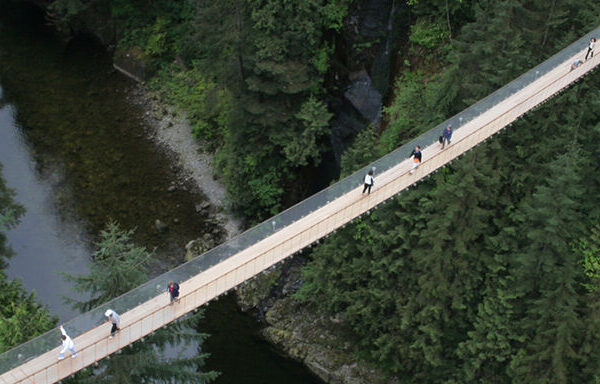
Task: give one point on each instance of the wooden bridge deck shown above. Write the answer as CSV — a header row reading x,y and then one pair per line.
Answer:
x,y
156,312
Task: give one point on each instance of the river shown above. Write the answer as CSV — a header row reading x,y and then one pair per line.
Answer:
x,y
75,148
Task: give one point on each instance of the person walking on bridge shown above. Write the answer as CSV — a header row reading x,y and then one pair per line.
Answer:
x,y
590,48
416,157
369,181
173,290
446,135
115,320
67,343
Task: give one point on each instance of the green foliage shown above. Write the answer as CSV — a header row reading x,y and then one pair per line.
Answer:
x,y
63,12
408,112
321,59
314,116
471,276
21,316
206,105
362,151
589,249
156,44
546,273
276,56
428,34
118,267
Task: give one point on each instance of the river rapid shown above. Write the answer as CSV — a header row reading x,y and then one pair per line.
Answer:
x,y
76,149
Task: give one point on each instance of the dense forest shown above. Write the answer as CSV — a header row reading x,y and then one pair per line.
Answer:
x,y
489,271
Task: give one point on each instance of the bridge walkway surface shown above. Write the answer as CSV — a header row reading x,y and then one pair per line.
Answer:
x,y
146,308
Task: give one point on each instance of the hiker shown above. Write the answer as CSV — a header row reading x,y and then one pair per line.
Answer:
x,y
446,135
67,343
369,181
590,48
114,319
576,64
173,289
415,155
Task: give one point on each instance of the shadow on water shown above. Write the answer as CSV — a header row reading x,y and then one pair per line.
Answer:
x,y
75,149
240,353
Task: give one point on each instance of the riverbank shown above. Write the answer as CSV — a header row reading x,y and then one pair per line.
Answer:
x,y
172,131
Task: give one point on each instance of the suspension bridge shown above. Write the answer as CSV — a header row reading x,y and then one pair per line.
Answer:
x,y
146,308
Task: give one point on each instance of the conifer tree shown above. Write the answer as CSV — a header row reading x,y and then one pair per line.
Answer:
x,y
546,274
452,260
278,121
118,267
21,316
587,250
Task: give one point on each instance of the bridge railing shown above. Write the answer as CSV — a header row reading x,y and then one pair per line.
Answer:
x,y
89,320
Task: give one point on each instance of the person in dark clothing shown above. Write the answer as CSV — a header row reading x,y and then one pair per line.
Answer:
x,y
590,51
369,181
415,155
173,291
446,135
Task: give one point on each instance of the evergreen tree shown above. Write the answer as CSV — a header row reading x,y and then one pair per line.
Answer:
x,y
587,250
118,267
21,316
546,274
276,57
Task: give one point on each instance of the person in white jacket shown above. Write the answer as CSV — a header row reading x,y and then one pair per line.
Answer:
x,y
590,48
369,181
115,320
67,343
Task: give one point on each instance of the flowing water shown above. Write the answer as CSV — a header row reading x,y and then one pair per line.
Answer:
x,y
75,149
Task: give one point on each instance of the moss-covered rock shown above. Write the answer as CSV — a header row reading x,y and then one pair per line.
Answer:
x,y
324,344
254,293
199,246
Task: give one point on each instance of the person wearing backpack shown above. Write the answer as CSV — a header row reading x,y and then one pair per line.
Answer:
x,y
446,136
173,289
416,157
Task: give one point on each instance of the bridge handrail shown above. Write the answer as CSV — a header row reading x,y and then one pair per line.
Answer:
x,y
89,320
